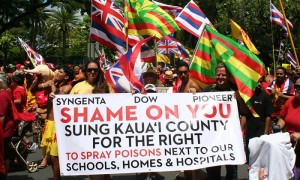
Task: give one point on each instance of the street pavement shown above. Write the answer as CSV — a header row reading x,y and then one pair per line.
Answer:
x,y
46,174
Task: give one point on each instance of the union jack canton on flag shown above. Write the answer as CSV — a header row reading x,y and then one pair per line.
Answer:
x,y
107,25
167,46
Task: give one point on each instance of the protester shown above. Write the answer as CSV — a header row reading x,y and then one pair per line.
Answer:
x,y
94,83
294,76
60,85
169,79
289,117
7,128
19,69
41,88
151,77
160,74
281,89
10,70
186,84
223,84
19,92
264,84
262,105
298,71
31,104
20,101
150,88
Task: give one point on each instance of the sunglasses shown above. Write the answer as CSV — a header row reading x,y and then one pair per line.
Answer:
x,y
182,72
297,86
92,69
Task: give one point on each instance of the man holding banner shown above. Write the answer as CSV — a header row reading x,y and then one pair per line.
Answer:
x,y
223,84
186,84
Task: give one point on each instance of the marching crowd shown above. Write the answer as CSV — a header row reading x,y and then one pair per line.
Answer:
x,y
276,100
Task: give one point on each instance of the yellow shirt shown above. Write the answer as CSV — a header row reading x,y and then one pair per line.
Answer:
x,y
82,88
30,99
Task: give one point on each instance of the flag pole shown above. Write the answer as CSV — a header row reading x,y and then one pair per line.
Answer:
x,y
289,33
203,28
90,42
155,50
126,24
273,48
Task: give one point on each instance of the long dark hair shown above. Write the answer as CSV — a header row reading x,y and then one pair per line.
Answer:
x,y
101,84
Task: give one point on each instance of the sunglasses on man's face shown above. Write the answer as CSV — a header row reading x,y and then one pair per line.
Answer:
x,y
182,72
92,69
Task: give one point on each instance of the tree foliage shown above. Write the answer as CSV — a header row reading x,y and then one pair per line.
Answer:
x,y
26,19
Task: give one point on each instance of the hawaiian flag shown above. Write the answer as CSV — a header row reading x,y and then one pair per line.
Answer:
x,y
278,18
290,58
184,53
107,25
167,45
245,67
35,58
102,59
192,19
170,45
117,80
144,18
173,10
125,75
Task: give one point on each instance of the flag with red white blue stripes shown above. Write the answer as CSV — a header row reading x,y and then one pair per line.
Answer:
x,y
290,58
278,18
126,74
167,45
107,25
173,10
192,19
170,45
35,58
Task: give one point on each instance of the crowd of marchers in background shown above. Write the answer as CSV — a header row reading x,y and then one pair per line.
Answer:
x,y
276,99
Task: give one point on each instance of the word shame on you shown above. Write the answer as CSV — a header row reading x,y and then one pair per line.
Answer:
x,y
152,112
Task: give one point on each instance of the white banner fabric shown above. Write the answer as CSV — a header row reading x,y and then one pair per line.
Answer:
x,y
125,133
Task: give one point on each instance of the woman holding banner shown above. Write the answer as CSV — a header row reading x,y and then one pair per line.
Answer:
x,y
94,83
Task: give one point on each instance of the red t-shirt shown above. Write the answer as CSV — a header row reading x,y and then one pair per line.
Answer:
x,y
19,93
41,98
5,110
2,169
290,112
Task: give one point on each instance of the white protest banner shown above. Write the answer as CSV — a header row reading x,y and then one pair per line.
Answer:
x,y
125,133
